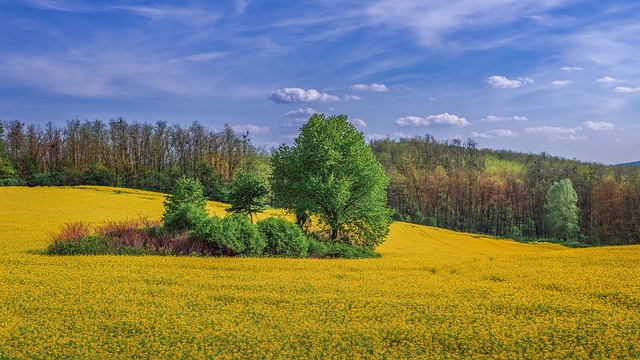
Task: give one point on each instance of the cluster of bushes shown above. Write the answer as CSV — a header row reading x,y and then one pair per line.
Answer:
x,y
233,235
186,229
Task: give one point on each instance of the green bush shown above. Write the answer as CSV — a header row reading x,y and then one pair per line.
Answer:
x,y
317,248
186,191
185,216
283,238
232,235
244,232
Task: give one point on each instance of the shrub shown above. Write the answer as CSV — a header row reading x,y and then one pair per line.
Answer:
x,y
185,216
186,191
88,245
283,238
232,235
316,248
240,231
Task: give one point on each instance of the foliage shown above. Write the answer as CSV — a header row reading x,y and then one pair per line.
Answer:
x,y
185,207
184,217
7,170
120,153
330,173
283,238
456,185
248,194
562,210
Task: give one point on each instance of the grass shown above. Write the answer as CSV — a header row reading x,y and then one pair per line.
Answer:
x,y
433,294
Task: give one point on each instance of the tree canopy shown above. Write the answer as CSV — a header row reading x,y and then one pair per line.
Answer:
x,y
248,194
331,173
562,210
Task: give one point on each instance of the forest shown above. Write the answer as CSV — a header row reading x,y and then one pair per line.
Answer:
x,y
450,184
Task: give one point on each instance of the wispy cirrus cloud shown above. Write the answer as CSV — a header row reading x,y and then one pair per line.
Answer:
x,y
298,95
561,82
501,82
445,119
433,21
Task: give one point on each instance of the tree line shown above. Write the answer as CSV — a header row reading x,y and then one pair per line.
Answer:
x,y
122,153
450,184
456,185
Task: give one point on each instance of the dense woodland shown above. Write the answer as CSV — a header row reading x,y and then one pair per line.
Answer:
x,y
450,184
120,153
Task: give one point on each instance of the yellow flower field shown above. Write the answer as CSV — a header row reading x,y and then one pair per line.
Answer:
x,y
433,294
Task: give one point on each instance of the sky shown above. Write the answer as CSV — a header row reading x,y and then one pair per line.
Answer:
x,y
553,76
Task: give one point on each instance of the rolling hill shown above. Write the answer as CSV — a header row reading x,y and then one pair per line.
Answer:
x,y
433,294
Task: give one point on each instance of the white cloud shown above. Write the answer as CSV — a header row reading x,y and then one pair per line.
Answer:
x,y
606,79
359,122
624,89
376,136
352,98
571,68
297,95
303,113
251,129
412,121
493,134
561,82
566,137
492,118
373,87
434,21
551,130
501,82
599,125
445,119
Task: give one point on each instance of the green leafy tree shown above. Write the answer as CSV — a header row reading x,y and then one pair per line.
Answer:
x,y
331,173
7,171
248,194
185,207
561,210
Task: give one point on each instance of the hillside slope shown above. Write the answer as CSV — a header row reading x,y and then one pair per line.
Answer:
x,y
433,294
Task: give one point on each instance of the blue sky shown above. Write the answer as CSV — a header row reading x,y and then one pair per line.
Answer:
x,y
527,75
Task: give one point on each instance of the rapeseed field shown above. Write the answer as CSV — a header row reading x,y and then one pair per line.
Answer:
x,y
433,294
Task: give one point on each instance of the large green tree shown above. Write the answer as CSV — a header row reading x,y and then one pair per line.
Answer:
x,y
331,173
561,211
